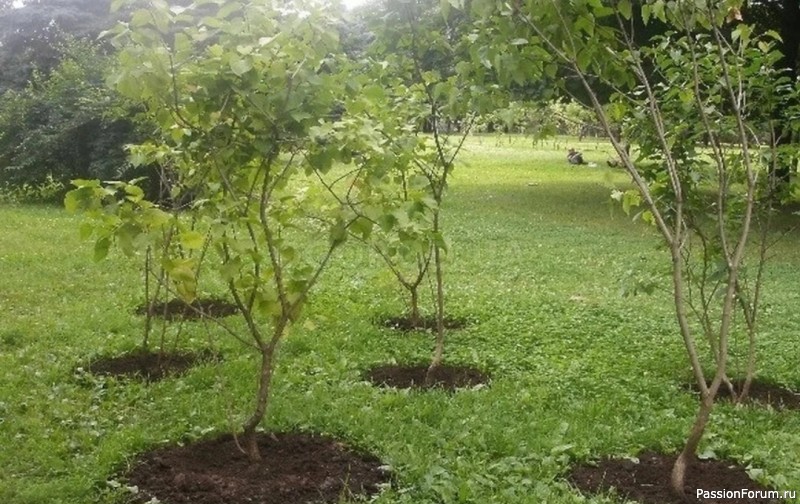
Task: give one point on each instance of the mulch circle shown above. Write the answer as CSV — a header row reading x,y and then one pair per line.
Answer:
x,y
446,377
296,468
150,366
761,392
178,309
405,323
648,482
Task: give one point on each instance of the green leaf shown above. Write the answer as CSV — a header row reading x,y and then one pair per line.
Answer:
x,y
187,290
630,200
86,230
228,9
441,242
265,40
116,5
584,59
267,302
645,13
85,182
141,18
419,182
177,134
429,202
72,200
155,217
192,240
230,269
126,234
241,66
624,8
361,227
288,254
387,222
181,269
134,192
444,8
586,24
101,247
338,234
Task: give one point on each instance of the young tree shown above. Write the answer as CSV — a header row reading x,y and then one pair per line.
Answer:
x,y
705,81
249,98
421,43
119,214
401,208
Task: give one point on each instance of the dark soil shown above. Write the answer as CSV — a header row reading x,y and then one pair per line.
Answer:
x,y
762,392
296,468
178,309
648,481
428,323
413,376
150,366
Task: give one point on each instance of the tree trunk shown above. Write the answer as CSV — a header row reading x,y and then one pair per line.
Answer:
x,y
438,352
687,455
262,397
148,320
414,316
751,368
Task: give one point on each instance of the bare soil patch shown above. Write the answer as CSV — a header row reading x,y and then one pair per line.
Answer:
x,y
448,377
761,392
149,366
296,468
765,392
406,323
178,309
648,481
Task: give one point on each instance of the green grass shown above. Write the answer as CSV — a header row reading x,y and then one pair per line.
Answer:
x,y
538,253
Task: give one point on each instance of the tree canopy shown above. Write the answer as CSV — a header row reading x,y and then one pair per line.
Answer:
x,y
58,119
32,36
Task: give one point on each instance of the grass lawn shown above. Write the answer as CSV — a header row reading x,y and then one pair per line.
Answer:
x,y
538,251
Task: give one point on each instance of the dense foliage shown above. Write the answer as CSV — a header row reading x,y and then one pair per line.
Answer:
x,y
64,124
58,119
32,36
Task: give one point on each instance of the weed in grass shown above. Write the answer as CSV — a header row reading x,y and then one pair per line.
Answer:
x,y
11,339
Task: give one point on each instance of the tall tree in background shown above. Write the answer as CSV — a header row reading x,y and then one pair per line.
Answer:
x,y
32,36
782,17
66,124
58,121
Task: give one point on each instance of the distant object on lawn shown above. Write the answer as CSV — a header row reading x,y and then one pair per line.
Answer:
x,y
574,157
